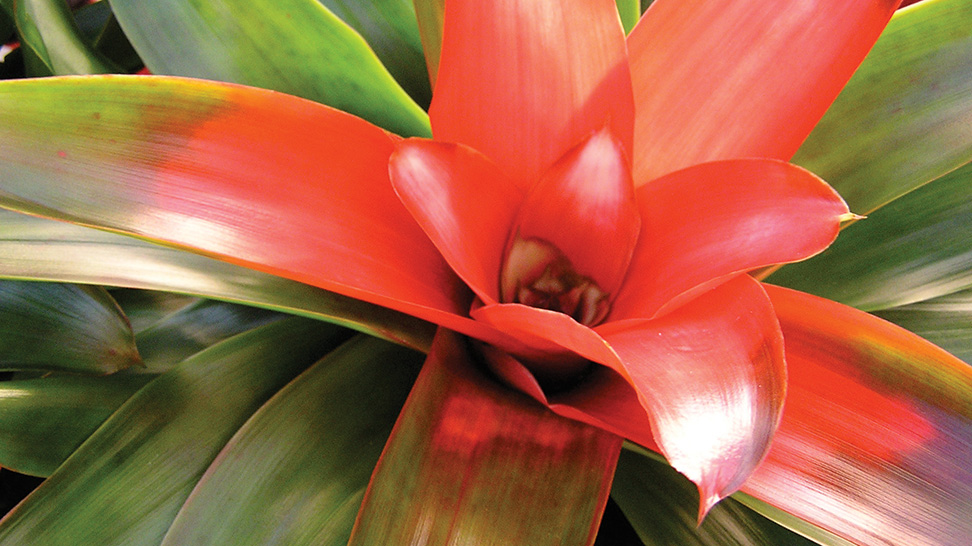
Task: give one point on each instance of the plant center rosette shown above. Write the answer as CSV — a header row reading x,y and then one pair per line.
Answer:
x,y
629,308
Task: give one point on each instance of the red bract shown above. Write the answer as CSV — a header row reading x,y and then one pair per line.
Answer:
x,y
534,208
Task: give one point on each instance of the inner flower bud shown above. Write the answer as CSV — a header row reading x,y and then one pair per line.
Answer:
x,y
538,274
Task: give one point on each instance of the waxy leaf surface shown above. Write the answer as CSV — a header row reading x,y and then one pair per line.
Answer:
x,y
41,249
905,118
135,472
63,327
464,443
297,470
294,46
876,430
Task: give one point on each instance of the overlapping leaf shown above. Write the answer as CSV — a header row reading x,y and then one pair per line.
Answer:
x,y
39,249
905,118
63,327
49,30
163,439
297,470
294,46
915,248
44,420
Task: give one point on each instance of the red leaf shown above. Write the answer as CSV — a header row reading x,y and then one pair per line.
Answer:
x,y
524,81
749,78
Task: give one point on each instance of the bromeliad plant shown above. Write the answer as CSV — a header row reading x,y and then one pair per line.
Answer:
x,y
584,228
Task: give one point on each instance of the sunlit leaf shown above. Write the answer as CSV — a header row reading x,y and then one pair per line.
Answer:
x,y
294,46
44,420
480,464
297,470
905,118
63,327
135,472
39,249
915,248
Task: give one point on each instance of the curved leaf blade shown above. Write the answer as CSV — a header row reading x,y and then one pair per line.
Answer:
x,y
915,248
298,469
294,46
875,432
905,117
63,327
136,471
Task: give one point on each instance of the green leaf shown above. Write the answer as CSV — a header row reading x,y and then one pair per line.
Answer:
x,y
662,506
915,248
63,327
297,470
431,17
143,308
195,327
42,421
946,321
905,118
390,28
48,29
126,483
294,46
39,249
481,464
630,12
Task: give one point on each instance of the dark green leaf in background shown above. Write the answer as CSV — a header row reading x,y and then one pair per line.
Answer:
x,y
195,327
126,483
63,327
42,421
48,28
297,470
390,28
